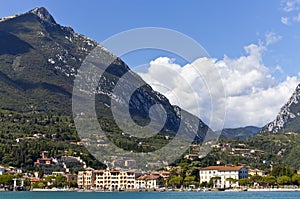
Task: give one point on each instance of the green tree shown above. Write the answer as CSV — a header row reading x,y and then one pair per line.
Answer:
x,y
73,184
284,180
269,180
244,182
296,179
183,167
175,181
60,181
50,180
256,179
282,171
39,185
6,179
188,180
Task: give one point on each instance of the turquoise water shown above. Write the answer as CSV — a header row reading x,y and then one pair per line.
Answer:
x,y
164,195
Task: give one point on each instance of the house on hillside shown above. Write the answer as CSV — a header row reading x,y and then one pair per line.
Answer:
x,y
44,159
253,172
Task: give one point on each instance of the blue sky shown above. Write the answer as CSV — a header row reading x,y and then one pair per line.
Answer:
x,y
221,27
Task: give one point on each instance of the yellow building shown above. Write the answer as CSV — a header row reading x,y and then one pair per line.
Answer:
x,y
114,179
253,172
85,179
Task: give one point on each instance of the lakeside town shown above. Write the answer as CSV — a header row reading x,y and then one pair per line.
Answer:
x,y
144,99
171,178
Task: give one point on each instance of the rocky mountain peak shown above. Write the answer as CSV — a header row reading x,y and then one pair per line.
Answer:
x,y
288,117
43,14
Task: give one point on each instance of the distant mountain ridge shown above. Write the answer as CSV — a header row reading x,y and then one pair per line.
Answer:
x,y
288,119
240,133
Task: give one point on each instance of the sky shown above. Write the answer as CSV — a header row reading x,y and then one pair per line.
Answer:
x,y
254,44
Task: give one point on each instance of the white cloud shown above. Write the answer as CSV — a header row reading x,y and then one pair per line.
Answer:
x,y
261,106
272,38
285,20
254,97
290,5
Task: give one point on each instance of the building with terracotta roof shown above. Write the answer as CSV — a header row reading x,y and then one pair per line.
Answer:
x,y
147,181
44,159
223,176
119,179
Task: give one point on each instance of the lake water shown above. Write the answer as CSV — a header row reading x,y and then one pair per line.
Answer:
x,y
143,195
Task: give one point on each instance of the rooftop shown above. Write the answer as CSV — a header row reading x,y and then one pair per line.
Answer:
x,y
222,168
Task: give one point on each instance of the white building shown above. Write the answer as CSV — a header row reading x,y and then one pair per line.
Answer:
x,y
221,175
147,182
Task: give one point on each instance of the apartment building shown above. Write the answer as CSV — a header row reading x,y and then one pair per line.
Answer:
x,y
115,179
223,176
85,179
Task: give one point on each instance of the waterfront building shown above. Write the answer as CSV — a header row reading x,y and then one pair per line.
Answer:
x,y
223,176
147,182
85,179
115,179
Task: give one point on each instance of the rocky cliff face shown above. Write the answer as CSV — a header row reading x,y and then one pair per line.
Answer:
x,y
288,118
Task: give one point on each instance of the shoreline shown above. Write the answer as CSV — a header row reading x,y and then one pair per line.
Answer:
x,y
175,191
274,190
163,190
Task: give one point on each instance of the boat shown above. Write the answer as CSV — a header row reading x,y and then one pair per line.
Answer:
x,y
163,189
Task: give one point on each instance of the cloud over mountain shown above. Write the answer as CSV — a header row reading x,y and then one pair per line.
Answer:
x,y
254,96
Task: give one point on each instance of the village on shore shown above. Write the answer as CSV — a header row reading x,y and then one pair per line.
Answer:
x,y
170,178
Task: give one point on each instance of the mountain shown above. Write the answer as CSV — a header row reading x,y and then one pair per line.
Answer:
x,y
288,119
39,61
240,133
